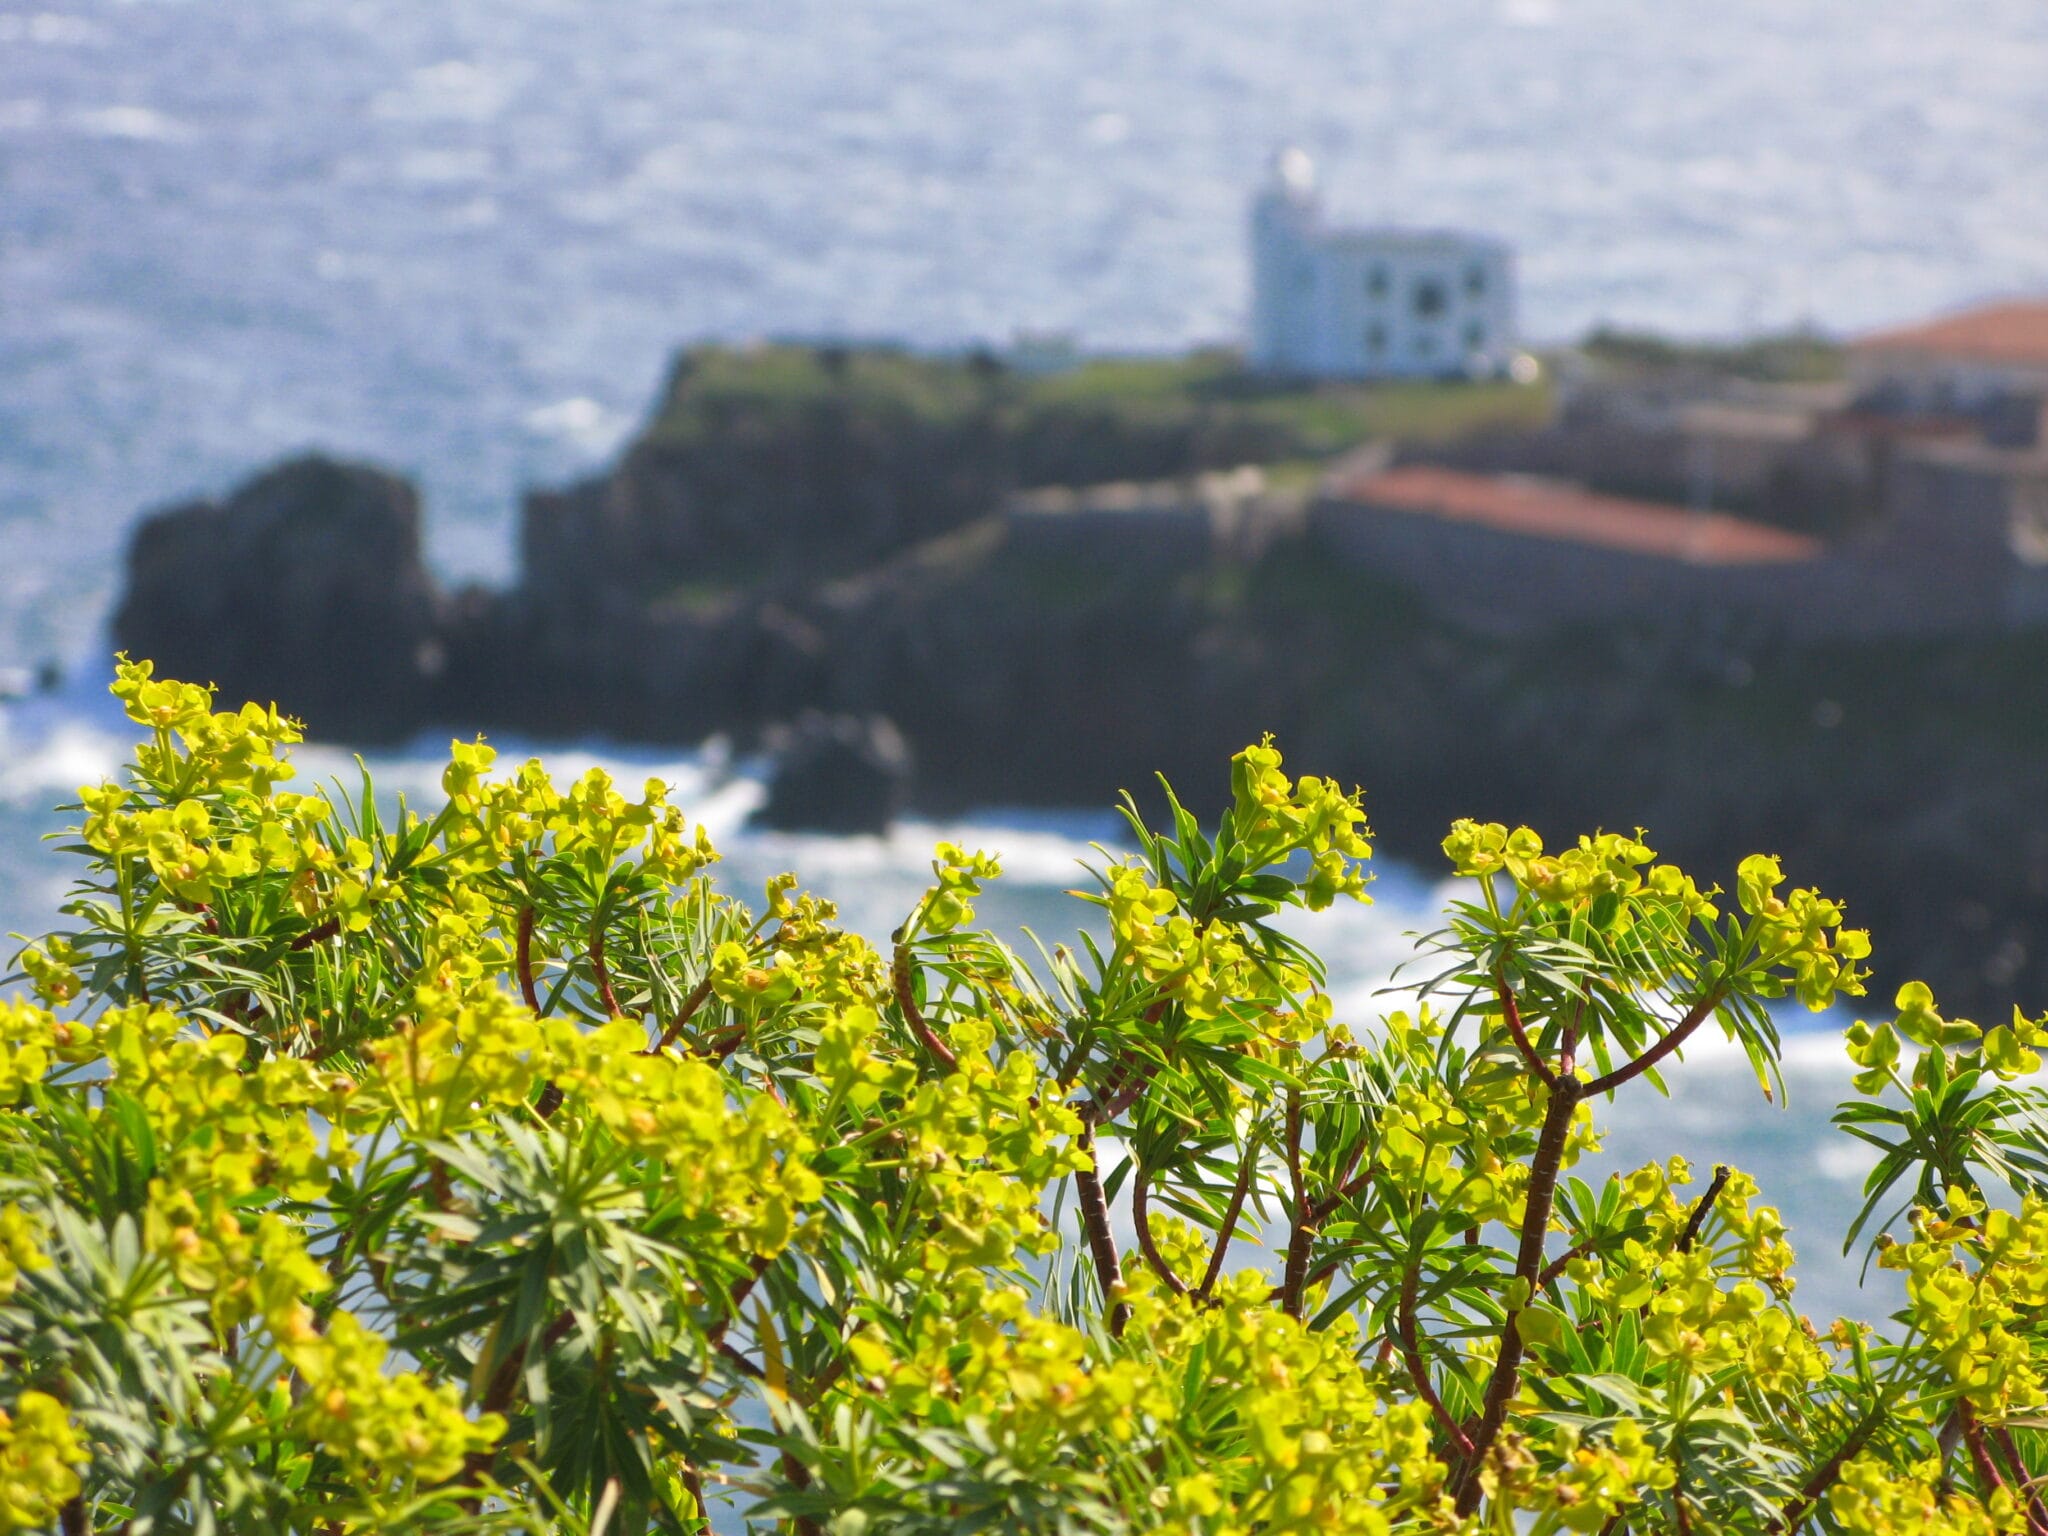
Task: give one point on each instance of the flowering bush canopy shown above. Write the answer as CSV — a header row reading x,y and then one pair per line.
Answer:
x,y
488,1168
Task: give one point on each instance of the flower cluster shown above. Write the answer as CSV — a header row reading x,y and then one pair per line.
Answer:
x,y
1976,1279
1872,1499
1276,818
40,1454
220,1122
1801,931
1590,1482
20,1248
485,1166
382,1427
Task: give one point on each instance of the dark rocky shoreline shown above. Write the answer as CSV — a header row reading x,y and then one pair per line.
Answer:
x,y
1904,777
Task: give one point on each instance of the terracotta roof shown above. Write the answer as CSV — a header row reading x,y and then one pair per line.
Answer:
x,y
2015,332
1546,510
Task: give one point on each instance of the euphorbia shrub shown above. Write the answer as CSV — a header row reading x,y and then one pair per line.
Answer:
x,y
488,1167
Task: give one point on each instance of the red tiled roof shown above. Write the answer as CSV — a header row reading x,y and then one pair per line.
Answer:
x,y
1540,510
2015,332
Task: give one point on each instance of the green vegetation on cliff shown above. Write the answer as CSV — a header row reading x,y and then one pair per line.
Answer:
x,y
785,462
1198,396
1793,357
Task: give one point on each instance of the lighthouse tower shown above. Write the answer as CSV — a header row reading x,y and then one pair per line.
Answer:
x,y
1286,215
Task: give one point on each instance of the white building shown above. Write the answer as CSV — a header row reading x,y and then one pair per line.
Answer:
x,y
1372,303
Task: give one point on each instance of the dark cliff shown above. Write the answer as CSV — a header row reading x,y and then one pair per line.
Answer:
x,y
306,585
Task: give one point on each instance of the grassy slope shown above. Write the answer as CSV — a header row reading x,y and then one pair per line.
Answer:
x,y
715,386
1795,357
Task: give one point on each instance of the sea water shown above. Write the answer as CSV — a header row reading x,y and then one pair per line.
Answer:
x,y
465,236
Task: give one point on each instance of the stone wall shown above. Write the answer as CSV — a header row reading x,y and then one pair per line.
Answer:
x,y
1185,524
1938,574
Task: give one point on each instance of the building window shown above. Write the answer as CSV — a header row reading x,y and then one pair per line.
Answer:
x,y
1475,281
1430,298
1376,283
1375,339
1475,337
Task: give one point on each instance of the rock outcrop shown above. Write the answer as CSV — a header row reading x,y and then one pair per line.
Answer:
x,y
836,773
305,586
777,463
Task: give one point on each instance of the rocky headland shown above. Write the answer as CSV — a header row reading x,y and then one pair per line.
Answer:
x,y
812,546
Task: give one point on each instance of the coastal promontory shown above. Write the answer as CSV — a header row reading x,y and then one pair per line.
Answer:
x,y
1044,589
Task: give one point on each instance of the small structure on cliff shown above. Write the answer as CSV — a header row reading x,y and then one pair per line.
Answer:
x,y
1514,554
1962,550
1961,361
1226,515
1375,303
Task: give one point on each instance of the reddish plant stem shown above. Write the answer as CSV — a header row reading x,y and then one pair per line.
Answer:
x,y
1350,1191
1511,1016
504,1382
1301,1233
1562,1262
1701,1207
522,957
693,1483
600,973
1336,1197
318,934
1411,1356
1133,1084
1088,1181
800,1479
1568,1047
695,999
1101,1241
550,1098
1823,1477
1141,1218
2037,1516
742,1288
1506,1379
498,1397
1228,1230
1125,1082
906,1000
739,1362
1973,1437
1324,1208
828,1378
724,1043
1678,1034
1318,1273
